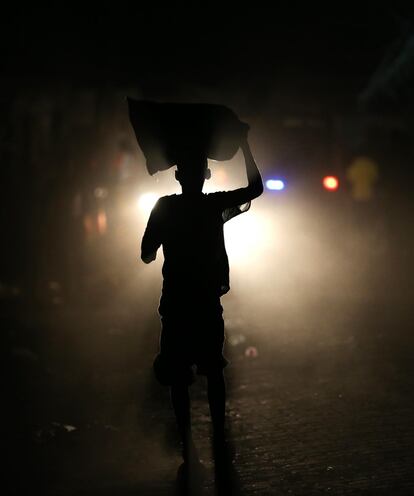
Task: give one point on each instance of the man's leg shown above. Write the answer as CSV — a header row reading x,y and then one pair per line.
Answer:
x,y
216,391
180,400
223,452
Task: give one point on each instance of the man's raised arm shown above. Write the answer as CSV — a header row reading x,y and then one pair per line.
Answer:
x,y
254,178
242,196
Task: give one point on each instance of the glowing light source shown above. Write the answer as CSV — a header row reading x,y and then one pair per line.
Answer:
x,y
101,222
220,176
331,183
246,236
251,352
275,184
146,202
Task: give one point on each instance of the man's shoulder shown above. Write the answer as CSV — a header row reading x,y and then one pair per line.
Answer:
x,y
223,198
169,197
166,200
162,206
216,195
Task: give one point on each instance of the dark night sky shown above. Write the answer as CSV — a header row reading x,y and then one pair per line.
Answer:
x,y
168,48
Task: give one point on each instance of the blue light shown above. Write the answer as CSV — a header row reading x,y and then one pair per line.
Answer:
x,y
275,184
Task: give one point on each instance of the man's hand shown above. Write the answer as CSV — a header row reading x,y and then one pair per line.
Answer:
x,y
148,257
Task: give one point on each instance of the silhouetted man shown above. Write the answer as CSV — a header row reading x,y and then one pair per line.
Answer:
x,y
196,274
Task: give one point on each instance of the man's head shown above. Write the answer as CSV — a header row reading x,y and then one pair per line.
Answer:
x,y
192,171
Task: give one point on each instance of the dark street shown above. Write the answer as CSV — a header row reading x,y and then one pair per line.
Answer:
x,y
322,404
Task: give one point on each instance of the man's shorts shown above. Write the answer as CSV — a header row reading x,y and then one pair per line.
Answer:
x,y
190,339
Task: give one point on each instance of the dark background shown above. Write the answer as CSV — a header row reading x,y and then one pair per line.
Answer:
x,y
345,75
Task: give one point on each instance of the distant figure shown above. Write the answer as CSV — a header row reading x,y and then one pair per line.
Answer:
x,y
363,175
196,274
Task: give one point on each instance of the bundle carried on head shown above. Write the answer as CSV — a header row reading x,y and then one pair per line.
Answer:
x,y
168,131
